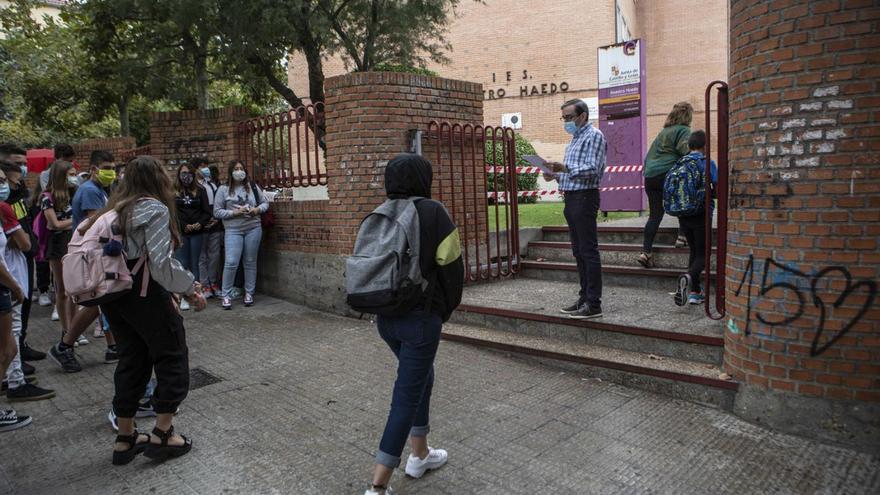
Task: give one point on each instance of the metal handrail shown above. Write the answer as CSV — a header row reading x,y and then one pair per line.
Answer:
x,y
721,194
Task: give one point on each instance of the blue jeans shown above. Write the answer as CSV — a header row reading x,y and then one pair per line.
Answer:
x,y
414,339
581,208
189,251
241,245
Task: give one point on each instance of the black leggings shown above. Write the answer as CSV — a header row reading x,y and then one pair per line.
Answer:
x,y
654,190
149,335
694,229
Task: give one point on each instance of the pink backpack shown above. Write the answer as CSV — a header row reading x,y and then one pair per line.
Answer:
x,y
94,268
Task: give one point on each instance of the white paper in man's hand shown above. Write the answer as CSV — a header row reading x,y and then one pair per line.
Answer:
x,y
537,161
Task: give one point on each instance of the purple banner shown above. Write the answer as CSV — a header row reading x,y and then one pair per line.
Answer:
x,y
623,121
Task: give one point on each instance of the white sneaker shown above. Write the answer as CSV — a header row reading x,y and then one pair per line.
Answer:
x,y
416,467
81,340
184,306
373,491
55,316
44,299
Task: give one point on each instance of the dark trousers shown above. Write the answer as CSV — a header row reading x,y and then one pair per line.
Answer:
x,y
44,274
581,208
149,336
26,304
694,229
654,190
414,339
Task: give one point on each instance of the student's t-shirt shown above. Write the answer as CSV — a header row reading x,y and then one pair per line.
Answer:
x,y
14,258
89,196
46,203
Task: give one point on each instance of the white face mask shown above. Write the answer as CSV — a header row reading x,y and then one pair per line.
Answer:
x,y
239,175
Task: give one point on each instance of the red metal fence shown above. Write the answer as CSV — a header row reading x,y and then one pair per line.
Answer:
x,y
721,194
475,177
285,149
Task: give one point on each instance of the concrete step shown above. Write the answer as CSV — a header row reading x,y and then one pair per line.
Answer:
x,y
677,378
626,276
614,234
612,254
636,320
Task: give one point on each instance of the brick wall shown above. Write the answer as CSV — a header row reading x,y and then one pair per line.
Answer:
x,y
368,116
115,145
805,213
497,36
182,135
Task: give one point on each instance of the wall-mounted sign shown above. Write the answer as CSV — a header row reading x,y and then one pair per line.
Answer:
x,y
522,86
512,120
622,119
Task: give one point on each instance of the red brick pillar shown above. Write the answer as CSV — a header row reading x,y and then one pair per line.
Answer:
x,y
803,334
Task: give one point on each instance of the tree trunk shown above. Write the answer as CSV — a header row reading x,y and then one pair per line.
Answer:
x,y
124,124
201,68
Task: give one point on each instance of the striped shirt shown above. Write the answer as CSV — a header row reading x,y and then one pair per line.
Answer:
x,y
146,232
584,159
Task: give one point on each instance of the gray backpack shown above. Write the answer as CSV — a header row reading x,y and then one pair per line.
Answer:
x,y
383,276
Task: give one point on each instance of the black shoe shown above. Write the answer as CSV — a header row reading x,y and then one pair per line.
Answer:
x,y
28,370
28,392
28,379
66,359
28,353
11,421
573,308
111,355
586,312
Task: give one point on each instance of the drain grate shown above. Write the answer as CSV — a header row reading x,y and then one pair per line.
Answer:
x,y
199,378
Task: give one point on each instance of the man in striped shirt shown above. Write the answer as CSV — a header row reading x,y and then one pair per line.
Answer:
x,y
579,178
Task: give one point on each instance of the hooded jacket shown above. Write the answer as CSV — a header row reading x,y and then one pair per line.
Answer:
x,y
409,175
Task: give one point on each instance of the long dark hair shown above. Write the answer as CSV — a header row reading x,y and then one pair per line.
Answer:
x,y
58,186
230,167
179,186
144,178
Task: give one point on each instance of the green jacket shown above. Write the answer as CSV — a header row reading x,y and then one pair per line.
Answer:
x,y
670,145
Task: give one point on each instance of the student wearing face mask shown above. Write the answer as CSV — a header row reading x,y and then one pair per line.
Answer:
x,y
239,204
209,260
193,215
58,213
19,199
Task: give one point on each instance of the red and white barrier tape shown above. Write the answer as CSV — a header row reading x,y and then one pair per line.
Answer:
x,y
554,192
535,170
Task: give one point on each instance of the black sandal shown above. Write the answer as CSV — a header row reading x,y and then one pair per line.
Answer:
x,y
164,451
123,457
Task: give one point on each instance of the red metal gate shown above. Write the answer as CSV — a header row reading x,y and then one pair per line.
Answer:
x,y
284,149
721,194
475,177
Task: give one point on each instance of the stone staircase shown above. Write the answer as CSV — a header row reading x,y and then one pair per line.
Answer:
x,y
643,340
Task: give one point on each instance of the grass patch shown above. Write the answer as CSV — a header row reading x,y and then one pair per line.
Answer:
x,y
541,214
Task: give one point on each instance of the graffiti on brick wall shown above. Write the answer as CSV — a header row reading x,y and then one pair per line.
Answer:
x,y
782,279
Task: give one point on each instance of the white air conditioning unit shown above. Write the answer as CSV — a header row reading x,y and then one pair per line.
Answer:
x,y
512,120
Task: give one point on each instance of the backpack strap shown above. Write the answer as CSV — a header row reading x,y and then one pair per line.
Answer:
x,y
257,197
145,280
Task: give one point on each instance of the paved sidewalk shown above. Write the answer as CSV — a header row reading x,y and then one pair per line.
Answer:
x,y
303,399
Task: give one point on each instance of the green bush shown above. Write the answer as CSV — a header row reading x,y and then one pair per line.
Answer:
x,y
404,68
524,182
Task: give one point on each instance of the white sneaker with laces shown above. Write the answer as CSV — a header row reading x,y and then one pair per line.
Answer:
x,y
373,491
416,467
184,306
55,316
81,340
44,299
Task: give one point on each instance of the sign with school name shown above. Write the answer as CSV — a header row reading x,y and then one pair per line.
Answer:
x,y
520,84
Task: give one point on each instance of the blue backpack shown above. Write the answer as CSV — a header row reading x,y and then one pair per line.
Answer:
x,y
684,189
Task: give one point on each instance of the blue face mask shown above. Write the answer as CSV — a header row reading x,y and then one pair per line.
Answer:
x,y
571,127
206,172
23,170
4,192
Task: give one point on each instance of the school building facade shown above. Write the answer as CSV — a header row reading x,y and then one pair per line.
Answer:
x,y
530,57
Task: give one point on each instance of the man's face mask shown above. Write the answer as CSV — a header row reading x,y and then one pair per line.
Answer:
x,y
106,177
